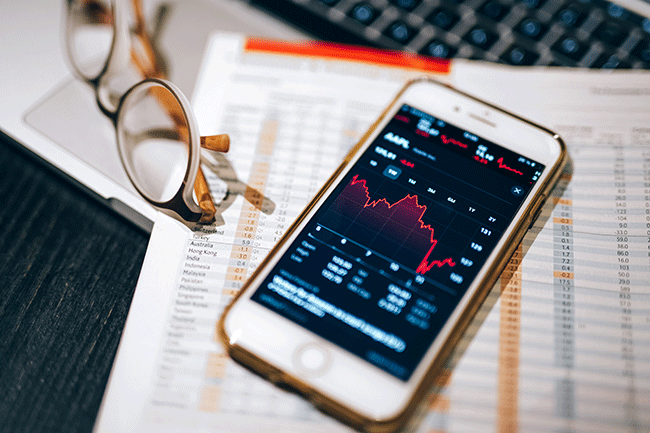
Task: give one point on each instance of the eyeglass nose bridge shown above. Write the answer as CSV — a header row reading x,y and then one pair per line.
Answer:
x,y
108,98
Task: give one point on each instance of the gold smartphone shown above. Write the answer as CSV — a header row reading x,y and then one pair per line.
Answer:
x,y
362,300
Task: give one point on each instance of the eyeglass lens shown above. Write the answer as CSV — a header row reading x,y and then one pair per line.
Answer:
x,y
91,33
153,137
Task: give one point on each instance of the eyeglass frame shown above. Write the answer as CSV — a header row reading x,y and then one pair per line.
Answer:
x,y
182,203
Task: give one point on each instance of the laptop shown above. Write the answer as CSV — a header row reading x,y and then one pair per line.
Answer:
x,y
54,115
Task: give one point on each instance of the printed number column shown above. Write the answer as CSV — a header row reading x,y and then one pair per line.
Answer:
x,y
509,332
623,256
249,218
563,300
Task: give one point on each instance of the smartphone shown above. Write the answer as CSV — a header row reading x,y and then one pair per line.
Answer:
x,y
362,300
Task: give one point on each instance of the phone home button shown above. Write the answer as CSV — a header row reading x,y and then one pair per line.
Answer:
x,y
312,359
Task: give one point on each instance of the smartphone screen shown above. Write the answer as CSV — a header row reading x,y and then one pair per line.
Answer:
x,y
384,261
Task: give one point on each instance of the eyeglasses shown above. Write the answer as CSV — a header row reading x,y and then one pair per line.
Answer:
x,y
157,133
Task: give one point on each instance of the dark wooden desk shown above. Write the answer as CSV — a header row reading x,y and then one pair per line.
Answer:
x,y
68,270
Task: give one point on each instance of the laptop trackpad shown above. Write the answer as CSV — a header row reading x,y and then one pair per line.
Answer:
x,y
70,117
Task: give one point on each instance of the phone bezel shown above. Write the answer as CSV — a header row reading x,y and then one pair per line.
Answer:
x,y
260,338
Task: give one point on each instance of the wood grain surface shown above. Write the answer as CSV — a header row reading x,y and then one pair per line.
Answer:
x,y
68,270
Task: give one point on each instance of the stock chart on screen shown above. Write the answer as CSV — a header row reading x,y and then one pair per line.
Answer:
x,y
381,265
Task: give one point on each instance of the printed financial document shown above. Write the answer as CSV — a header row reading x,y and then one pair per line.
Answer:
x,y
562,342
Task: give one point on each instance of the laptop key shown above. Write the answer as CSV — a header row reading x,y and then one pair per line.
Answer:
x,y
494,10
611,33
571,16
438,48
364,13
519,56
408,5
617,11
481,37
532,4
532,28
570,47
400,32
443,18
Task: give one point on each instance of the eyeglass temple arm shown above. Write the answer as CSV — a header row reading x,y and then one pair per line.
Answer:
x,y
204,197
149,64
217,143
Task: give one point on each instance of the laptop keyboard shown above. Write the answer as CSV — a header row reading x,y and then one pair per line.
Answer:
x,y
585,33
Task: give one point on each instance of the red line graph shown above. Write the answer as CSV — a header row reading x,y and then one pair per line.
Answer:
x,y
448,140
425,265
406,211
502,165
